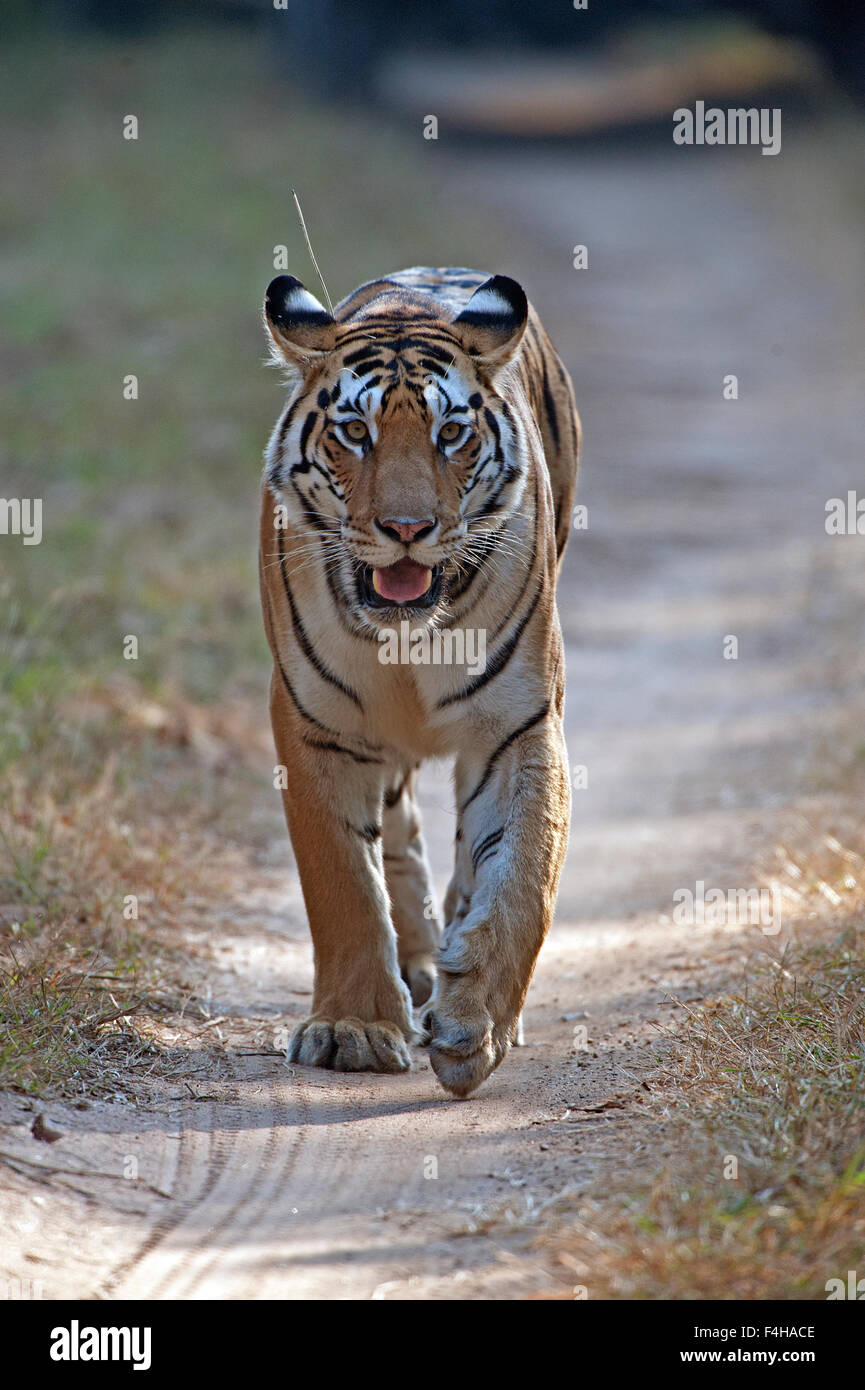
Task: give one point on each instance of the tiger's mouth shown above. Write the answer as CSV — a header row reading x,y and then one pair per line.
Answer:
x,y
403,585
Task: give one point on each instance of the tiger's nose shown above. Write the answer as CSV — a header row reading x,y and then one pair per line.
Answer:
x,y
405,528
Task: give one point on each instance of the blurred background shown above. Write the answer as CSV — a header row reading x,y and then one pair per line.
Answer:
x,y
149,257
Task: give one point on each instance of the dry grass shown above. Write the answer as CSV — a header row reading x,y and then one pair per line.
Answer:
x,y
763,1093
97,883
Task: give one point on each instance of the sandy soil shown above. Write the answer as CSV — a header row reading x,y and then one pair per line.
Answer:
x,y
706,519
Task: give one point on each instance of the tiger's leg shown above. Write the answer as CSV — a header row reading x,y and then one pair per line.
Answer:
x,y
515,801
456,904
361,1010
408,881
458,895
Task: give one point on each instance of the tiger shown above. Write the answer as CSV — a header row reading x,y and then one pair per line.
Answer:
x,y
420,479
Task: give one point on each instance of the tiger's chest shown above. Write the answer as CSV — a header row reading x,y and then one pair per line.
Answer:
x,y
420,692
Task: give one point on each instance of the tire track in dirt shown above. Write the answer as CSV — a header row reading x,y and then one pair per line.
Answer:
x,y
204,1146
244,1167
216,1250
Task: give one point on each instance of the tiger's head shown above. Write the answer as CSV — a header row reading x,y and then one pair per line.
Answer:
x,y
398,446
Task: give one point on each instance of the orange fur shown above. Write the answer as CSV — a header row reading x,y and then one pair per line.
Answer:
x,y
404,357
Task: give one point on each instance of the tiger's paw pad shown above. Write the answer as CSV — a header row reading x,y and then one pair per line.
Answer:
x,y
349,1044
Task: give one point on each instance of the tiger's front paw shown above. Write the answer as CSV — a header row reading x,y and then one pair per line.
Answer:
x,y
349,1044
466,1042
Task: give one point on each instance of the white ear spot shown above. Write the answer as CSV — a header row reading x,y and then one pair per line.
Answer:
x,y
300,303
491,304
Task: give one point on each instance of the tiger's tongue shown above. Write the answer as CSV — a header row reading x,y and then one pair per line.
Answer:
x,y
402,582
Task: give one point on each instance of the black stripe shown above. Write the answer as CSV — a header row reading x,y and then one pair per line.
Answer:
x,y
304,713
370,833
399,342
502,748
375,363
303,641
489,842
286,421
492,504
487,573
493,850
529,571
499,661
486,856
478,473
508,414
497,434
307,431
312,465
360,355
338,748
310,515
550,406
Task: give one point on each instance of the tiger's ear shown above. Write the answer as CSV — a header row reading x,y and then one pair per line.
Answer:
x,y
299,327
493,322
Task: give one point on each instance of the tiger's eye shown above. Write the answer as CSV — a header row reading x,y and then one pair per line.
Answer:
x,y
450,431
356,430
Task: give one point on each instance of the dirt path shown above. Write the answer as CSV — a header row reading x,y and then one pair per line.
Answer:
x,y
705,520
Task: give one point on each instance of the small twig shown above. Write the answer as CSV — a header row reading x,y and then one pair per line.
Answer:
x,y
92,975
311,252
118,1013
194,1096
